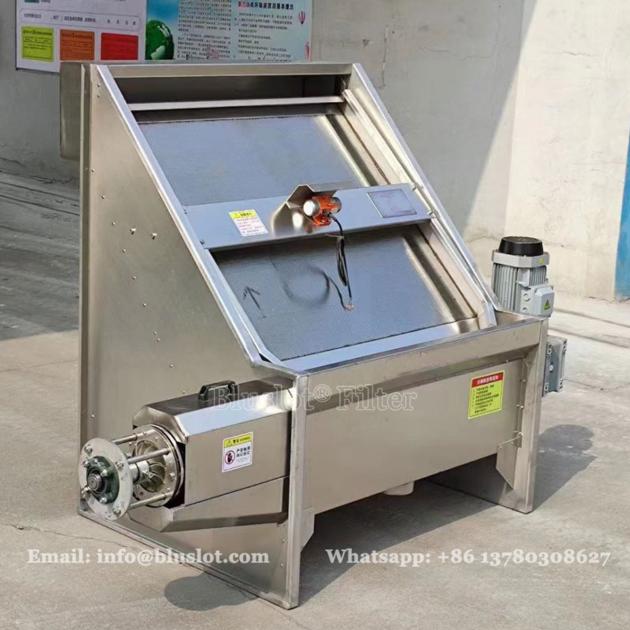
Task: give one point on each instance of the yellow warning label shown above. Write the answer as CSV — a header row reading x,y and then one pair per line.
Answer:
x,y
244,214
37,43
238,451
236,441
486,395
248,222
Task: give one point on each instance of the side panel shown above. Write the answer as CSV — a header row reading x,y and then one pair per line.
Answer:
x,y
377,447
480,477
389,439
147,336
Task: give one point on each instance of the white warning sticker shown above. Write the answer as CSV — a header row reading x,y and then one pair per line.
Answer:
x,y
248,222
238,452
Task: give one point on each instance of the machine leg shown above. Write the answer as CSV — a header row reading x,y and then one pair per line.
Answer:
x,y
296,516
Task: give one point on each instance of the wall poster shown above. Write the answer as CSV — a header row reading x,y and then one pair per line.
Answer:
x,y
51,31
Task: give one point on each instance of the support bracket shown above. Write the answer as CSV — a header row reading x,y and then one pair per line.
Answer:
x,y
506,458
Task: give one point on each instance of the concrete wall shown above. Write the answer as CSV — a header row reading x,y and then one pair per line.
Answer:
x,y
29,113
517,111
571,136
447,70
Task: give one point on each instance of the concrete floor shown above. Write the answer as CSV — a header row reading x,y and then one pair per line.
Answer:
x,y
583,488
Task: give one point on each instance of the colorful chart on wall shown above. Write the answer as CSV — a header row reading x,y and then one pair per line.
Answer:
x,y
51,31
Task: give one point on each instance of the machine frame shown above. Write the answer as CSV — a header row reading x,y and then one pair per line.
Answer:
x,y
144,335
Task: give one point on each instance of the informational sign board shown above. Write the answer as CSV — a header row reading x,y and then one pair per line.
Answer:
x,y
227,30
51,31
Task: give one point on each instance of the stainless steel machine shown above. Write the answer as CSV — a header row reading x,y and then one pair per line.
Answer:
x,y
278,316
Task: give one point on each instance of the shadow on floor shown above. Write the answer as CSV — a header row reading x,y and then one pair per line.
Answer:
x,y
378,523
203,592
562,454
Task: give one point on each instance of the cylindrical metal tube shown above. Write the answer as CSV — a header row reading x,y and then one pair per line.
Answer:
x,y
145,456
149,500
133,437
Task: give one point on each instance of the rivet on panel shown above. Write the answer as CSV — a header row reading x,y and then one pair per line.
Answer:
x,y
171,365
133,230
154,235
124,251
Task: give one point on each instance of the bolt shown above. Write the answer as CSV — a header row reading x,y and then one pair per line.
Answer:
x,y
103,500
104,473
117,511
172,475
88,449
120,465
85,463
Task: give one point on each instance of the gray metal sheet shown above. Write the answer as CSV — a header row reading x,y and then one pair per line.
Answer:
x,y
215,228
246,158
289,292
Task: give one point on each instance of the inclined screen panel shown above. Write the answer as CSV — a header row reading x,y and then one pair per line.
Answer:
x,y
248,158
291,292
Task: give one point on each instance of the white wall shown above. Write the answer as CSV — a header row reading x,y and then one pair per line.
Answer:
x,y
446,70
571,137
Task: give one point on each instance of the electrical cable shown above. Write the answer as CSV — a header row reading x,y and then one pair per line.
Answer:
x,y
342,261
